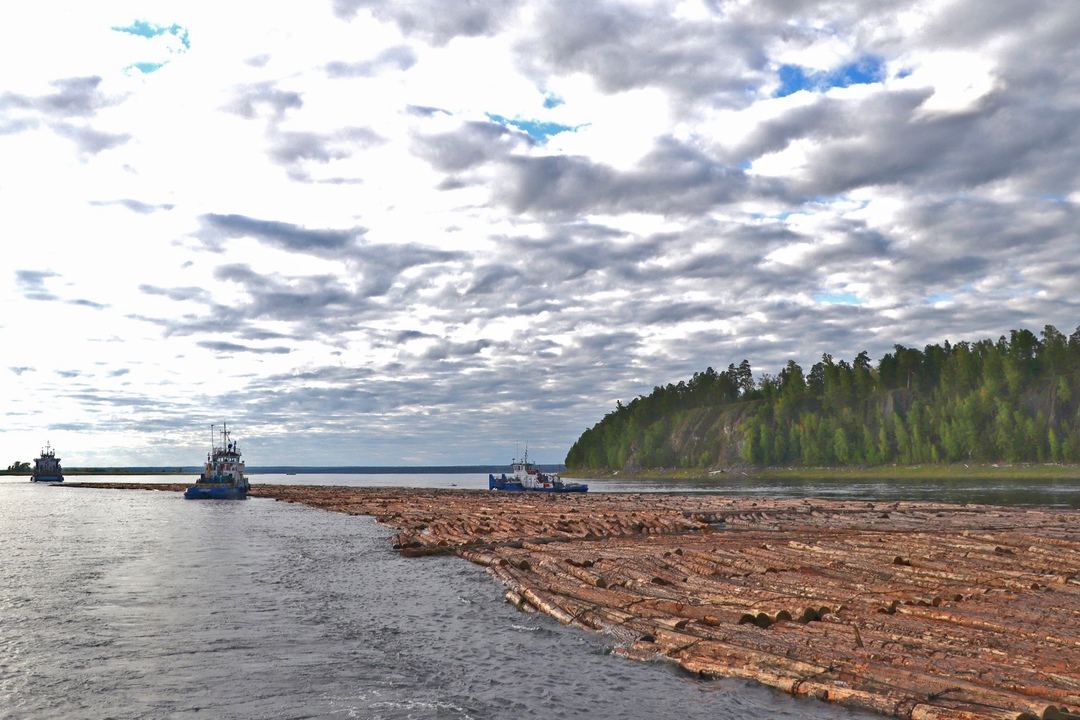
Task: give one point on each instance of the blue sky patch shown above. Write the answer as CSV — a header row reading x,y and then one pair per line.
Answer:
x,y
174,40
782,216
538,130
145,67
145,29
829,200
793,78
551,100
839,298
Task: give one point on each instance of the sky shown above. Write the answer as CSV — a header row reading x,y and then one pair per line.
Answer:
x,y
379,232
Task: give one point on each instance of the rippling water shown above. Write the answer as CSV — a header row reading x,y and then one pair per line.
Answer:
x,y
123,604
995,491
992,491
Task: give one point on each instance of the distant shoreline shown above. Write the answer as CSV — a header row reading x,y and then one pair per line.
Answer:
x,y
961,471
301,470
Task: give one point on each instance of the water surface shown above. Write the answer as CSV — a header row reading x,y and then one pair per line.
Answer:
x,y
1026,492
123,604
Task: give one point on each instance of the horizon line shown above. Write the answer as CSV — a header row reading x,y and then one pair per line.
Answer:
x,y
269,469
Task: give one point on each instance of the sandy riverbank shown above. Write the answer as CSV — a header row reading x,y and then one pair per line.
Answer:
x,y
912,610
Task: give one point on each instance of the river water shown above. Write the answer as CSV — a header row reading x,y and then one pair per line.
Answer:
x,y
123,604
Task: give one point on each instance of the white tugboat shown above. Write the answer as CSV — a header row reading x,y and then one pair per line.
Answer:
x,y
47,467
223,478
526,476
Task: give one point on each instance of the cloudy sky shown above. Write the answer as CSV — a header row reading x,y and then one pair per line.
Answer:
x,y
392,232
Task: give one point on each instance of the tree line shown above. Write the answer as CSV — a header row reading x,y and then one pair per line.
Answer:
x,y
1016,399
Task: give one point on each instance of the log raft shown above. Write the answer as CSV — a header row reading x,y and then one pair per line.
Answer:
x,y
912,610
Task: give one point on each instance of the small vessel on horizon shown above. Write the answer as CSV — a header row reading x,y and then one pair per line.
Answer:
x,y
223,477
525,476
47,466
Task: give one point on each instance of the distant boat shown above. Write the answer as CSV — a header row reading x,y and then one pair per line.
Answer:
x,y
525,476
47,467
223,478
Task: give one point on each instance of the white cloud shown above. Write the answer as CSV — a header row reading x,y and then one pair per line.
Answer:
x,y
959,81
617,129
308,219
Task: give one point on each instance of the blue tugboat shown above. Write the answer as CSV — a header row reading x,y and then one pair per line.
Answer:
x,y
223,478
47,467
525,476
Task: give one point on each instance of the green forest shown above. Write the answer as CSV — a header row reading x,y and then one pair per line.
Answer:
x,y
1011,401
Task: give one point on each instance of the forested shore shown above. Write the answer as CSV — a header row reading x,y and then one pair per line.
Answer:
x,y
1013,400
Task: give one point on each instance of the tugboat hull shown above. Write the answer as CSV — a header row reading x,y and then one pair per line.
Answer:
x,y
214,493
513,486
223,478
47,467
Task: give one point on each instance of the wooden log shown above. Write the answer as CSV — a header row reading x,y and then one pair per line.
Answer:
x,y
545,605
928,711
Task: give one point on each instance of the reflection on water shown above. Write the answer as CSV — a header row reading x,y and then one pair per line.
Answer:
x,y
1026,492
